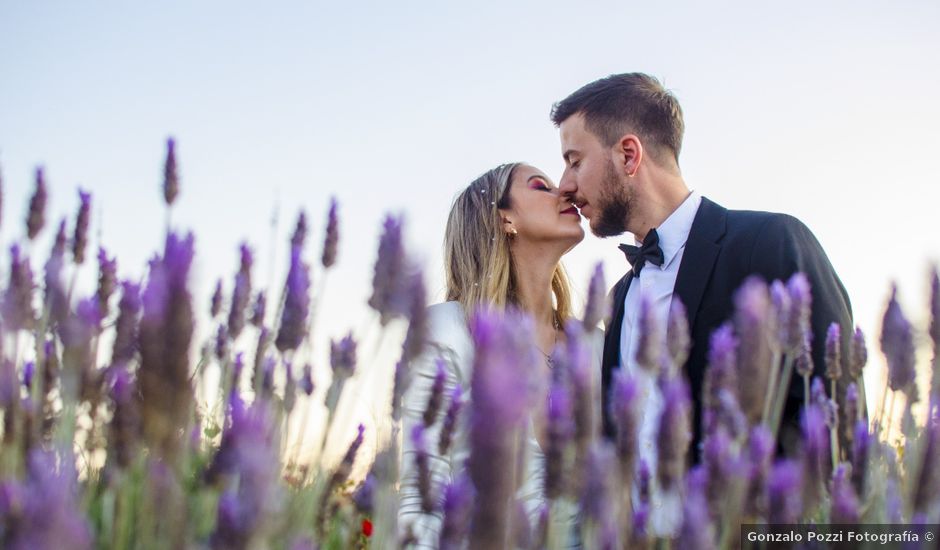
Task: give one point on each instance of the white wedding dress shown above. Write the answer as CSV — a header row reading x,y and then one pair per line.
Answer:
x,y
449,338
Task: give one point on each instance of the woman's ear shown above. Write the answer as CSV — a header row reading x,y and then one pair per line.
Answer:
x,y
508,226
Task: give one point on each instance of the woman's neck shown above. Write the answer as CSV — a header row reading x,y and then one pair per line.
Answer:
x,y
533,272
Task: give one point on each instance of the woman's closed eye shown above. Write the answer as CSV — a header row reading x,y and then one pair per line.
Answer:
x,y
540,186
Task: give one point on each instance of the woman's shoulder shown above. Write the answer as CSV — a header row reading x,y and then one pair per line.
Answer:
x,y
447,324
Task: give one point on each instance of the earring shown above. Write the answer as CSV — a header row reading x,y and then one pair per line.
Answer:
x,y
513,231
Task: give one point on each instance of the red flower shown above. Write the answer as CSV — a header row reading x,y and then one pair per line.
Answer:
x,y
367,528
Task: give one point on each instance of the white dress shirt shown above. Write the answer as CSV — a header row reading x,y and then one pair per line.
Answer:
x,y
657,284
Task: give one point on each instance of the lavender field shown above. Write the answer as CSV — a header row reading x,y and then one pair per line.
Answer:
x,y
106,444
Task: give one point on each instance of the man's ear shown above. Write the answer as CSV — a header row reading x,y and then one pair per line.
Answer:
x,y
630,152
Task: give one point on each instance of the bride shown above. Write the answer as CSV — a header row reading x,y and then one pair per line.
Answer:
x,y
505,237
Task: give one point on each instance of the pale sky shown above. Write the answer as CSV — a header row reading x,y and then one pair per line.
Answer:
x,y
824,110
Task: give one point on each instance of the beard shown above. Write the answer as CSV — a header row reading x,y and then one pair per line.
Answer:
x,y
614,206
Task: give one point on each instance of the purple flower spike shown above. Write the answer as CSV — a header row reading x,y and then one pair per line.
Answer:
x,y
861,447
241,294
345,466
851,407
754,324
343,356
107,279
364,497
36,218
299,236
827,406
928,483
626,415
423,467
722,373
171,180
306,380
416,337
450,420
784,493
801,302
859,354
845,505
697,531
258,311
458,504
436,398
596,308
56,298
560,429
503,363
815,454
18,312
82,219
650,340
296,305
125,423
215,306
804,359
761,447
834,352
897,344
675,433
783,312
389,292
221,343
677,335
934,328
598,502
125,337
331,241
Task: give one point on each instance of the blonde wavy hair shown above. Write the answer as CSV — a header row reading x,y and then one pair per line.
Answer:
x,y
478,261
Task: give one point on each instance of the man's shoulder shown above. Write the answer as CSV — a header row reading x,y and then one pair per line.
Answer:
x,y
758,223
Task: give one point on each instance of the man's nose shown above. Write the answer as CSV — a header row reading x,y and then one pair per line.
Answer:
x,y
567,186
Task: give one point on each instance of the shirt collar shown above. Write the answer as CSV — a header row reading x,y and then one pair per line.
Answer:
x,y
674,231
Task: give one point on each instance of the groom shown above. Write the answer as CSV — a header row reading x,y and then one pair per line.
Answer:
x,y
621,138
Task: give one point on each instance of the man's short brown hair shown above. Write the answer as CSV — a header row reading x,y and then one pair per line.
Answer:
x,y
628,103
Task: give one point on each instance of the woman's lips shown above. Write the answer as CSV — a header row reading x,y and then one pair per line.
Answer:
x,y
571,210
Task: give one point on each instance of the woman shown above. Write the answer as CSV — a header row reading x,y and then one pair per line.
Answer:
x,y
505,237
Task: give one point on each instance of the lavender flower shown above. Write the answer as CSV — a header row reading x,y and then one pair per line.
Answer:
x,y
783,313
296,305
861,448
258,311
107,279
47,507
449,425
897,343
18,312
934,328
241,294
761,446
306,380
422,465
215,305
56,299
36,218
457,505
171,181
559,431
416,337
674,434
928,481
125,337
722,371
299,237
364,497
389,294
678,340
755,325
697,531
845,505
827,406
166,330
833,352
596,307
815,454
343,356
859,354
650,340
29,369
804,359
331,241
784,493
852,412
124,425
503,362
599,502
800,307
341,474
626,415
436,398
82,219
723,468
221,343
575,362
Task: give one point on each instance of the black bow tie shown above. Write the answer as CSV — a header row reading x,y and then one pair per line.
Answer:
x,y
649,252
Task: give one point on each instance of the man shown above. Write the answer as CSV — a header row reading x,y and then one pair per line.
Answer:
x,y
621,138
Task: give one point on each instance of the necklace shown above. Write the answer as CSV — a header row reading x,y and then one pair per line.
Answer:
x,y
549,361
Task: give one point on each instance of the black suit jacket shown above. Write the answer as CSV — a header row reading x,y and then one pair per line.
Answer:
x,y
724,248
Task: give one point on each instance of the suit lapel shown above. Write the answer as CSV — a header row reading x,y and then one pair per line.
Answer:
x,y
701,251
